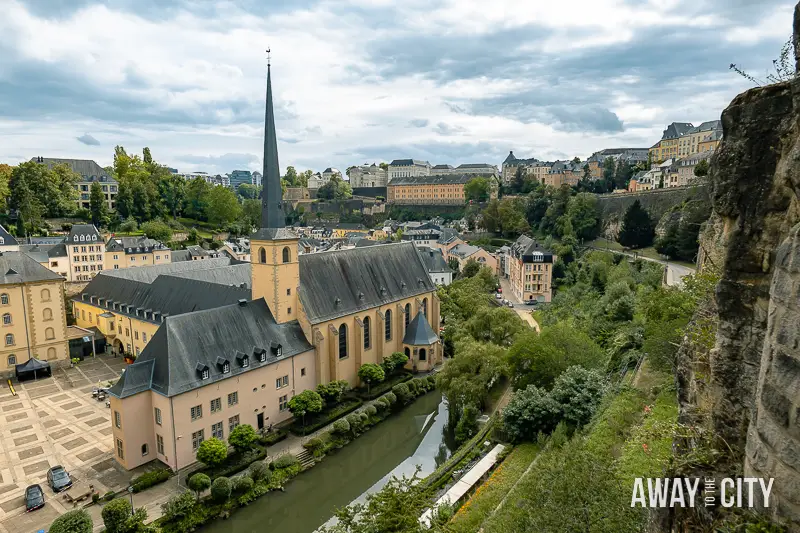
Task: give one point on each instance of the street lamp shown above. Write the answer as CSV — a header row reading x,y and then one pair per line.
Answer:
x,y
130,491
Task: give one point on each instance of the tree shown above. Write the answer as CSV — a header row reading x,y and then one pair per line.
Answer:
x,y
178,506
212,452
173,193
453,264
477,189
242,437
467,378
539,358
258,470
291,176
609,169
118,518
129,225
622,174
530,411
222,206
304,403
467,425
637,229
394,363
221,489
584,215
471,268
155,229
335,189
332,392
5,178
303,178
578,392
248,191
701,168
497,325
199,483
197,191
26,179
98,205
383,165
371,373
74,521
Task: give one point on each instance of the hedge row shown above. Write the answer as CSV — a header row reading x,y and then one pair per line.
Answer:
x,y
348,405
148,479
273,437
382,388
233,464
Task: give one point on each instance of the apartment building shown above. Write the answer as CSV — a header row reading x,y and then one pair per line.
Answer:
x,y
562,172
462,253
436,265
710,142
369,176
669,145
445,189
90,172
530,270
126,252
633,156
686,166
408,168
511,163
34,323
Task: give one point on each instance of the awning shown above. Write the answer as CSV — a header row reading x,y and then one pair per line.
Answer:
x,y
33,368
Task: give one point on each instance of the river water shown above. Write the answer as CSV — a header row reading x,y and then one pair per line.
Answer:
x,y
415,436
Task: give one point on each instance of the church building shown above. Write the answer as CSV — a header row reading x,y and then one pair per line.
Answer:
x,y
309,319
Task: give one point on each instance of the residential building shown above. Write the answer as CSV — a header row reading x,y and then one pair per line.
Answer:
x,y
368,176
310,319
530,270
8,243
85,252
125,252
447,239
89,172
257,178
193,253
464,252
436,265
669,145
562,172
480,169
408,168
689,142
317,180
240,177
329,172
422,237
442,169
34,322
710,142
445,189
238,249
510,165
633,156
686,167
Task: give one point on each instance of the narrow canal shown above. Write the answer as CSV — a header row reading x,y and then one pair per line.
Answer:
x,y
415,436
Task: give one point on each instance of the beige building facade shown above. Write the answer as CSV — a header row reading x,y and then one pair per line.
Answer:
x,y
32,313
530,270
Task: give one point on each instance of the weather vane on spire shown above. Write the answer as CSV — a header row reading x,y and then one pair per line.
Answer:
x,y
268,57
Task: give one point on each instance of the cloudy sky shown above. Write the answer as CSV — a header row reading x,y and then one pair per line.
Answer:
x,y
450,81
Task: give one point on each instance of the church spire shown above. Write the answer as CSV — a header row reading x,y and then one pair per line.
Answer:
x,y
272,215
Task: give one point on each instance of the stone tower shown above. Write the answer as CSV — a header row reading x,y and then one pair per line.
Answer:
x,y
276,272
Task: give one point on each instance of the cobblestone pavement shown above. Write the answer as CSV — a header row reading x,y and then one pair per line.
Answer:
x,y
54,421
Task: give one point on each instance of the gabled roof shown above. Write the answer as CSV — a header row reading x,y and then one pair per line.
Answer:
x,y
87,168
148,274
676,129
524,248
443,179
509,158
169,363
709,125
408,162
477,165
464,250
442,167
231,275
448,235
8,239
134,245
83,233
342,282
433,259
419,332
16,267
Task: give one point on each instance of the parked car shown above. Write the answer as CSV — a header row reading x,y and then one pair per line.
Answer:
x,y
498,296
58,479
531,302
34,498
510,305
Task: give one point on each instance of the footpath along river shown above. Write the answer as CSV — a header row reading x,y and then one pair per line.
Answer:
x,y
415,436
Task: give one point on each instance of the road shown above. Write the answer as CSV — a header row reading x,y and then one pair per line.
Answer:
x,y
524,311
673,274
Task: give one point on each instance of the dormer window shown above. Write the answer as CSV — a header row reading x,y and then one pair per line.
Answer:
x,y
245,362
226,367
202,370
277,349
204,374
75,238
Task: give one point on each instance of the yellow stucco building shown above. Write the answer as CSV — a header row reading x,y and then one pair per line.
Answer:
x,y
446,189
299,322
125,252
33,319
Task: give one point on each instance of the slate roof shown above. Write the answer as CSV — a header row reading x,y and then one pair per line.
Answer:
x,y
231,275
477,165
442,167
709,125
448,235
134,245
87,168
442,179
676,129
419,332
148,274
170,363
433,259
408,162
17,267
338,283
180,256
463,250
8,239
369,242
83,233
525,247
166,295
41,253
273,234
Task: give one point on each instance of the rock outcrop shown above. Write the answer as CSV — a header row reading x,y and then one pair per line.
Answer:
x,y
751,394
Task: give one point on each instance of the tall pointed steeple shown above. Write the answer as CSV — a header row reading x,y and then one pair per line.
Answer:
x,y
272,215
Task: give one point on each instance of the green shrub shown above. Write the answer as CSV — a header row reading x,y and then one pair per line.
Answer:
x,y
413,387
273,437
212,452
341,427
285,461
258,470
242,437
178,506
108,496
431,379
115,514
95,497
75,521
355,422
148,479
371,410
326,417
235,463
242,484
402,393
199,482
377,390
313,445
221,489
391,397
364,417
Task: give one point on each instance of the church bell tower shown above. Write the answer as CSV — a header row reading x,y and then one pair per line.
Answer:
x,y
273,248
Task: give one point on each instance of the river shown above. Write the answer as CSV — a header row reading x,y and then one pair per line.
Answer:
x,y
415,436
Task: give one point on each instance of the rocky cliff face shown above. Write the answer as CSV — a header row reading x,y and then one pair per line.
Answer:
x,y
751,393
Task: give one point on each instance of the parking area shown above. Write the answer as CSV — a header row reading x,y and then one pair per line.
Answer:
x,y
54,421
524,311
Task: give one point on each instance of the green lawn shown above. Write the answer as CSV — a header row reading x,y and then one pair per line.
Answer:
x,y
648,252
489,495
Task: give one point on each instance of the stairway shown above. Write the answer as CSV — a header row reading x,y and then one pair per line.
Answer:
x,y
306,459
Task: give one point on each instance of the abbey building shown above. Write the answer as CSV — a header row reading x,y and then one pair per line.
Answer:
x,y
228,343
